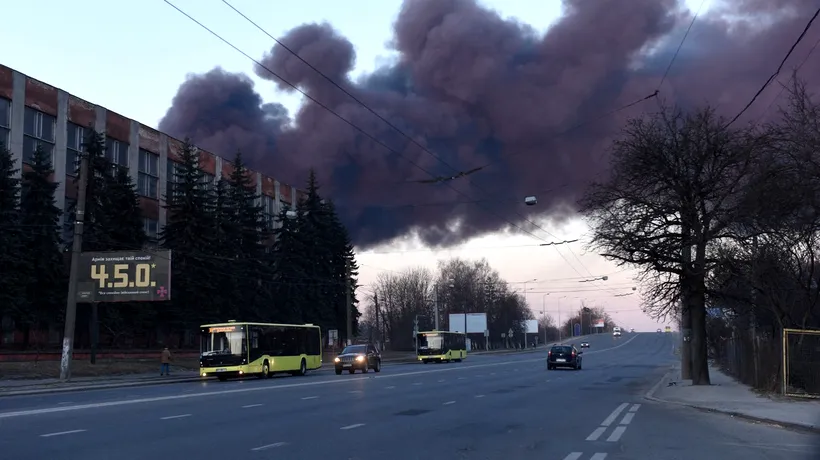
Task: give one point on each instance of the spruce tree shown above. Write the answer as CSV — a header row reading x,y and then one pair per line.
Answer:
x,y
45,269
12,278
290,280
344,269
247,241
126,230
190,233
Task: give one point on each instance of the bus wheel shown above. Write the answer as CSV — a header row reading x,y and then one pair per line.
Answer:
x,y
302,367
378,366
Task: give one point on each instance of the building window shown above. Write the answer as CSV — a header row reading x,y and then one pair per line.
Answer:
x,y
269,210
5,121
116,152
38,130
148,179
74,146
172,178
151,228
209,179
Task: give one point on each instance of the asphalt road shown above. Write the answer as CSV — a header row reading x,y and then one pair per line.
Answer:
x,y
488,407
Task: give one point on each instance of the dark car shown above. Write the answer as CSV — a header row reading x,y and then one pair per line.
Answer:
x,y
361,357
564,356
584,344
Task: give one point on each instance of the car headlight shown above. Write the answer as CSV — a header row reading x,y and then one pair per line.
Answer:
x,y
336,360
360,358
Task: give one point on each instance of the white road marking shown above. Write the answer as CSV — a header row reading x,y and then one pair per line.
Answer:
x,y
608,421
574,456
596,434
61,403
493,373
350,427
616,434
441,380
627,418
390,387
461,378
310,397
598,456
514,370
170,417
448,403
417,383
355,391
206,394
60,433
252,405
479,396
634,408
269,446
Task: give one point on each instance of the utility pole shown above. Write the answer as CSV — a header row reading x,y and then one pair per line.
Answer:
x,y
76,249
435,305
376,305
349,303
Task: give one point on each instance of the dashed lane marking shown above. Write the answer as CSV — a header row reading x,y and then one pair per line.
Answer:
x,y
390,387
596,434
251,405
417,383
310,397
441,380
608,421
354,391
616,434
171,417
574,456
479,396
627,418
598,456
61,433
634,408
208,394
350,427
448,403
269,446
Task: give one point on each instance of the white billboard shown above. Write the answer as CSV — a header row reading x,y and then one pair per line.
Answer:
x,y
530,325
599,323
476,322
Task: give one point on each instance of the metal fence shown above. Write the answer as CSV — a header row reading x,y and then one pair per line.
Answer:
x,y
801,363
751,358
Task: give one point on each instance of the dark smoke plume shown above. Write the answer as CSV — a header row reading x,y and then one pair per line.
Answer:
x,y
476,89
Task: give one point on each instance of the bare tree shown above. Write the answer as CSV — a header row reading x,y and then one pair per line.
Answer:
x,y
674,188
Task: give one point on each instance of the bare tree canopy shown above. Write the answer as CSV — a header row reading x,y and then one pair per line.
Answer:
x,y
459,286
675,187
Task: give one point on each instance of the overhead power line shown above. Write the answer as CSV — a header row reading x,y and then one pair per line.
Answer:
x,y
373,138
345,120
779,68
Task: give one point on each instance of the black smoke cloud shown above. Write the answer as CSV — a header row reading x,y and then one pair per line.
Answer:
x,y
475,88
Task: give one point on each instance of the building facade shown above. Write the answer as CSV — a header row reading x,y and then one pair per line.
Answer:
x,y
32,113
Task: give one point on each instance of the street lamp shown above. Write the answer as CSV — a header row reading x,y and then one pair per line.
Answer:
x,y
531,200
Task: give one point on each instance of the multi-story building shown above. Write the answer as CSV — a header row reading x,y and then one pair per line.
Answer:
x,y
32,113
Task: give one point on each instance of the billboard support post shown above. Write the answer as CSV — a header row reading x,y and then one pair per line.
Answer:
x,y
76,248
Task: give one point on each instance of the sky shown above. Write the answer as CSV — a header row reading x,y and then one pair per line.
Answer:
x,y
132,61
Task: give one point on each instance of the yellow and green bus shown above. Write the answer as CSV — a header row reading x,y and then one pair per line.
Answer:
x,y
441,346
235,349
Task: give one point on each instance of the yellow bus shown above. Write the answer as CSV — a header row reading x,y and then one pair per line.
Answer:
x,y
441,346
235,349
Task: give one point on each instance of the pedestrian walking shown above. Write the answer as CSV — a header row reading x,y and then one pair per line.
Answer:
x,y
165,359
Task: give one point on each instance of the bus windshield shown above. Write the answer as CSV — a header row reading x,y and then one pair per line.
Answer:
x,y
223,340
430,342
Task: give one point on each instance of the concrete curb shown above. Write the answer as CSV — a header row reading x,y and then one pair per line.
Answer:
x,y
650,395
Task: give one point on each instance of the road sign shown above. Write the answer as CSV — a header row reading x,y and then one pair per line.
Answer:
x,y
124,276
510,333
576,329
332,337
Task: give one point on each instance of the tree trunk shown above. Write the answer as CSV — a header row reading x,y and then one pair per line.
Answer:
x,y
698,345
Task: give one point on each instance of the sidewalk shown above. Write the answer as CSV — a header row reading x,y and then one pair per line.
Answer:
x,y
727,396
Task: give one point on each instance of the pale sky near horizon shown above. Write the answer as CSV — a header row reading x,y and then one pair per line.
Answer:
x,y
132,60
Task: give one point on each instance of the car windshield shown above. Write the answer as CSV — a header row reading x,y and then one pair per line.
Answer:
x,y
355,349
561,349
